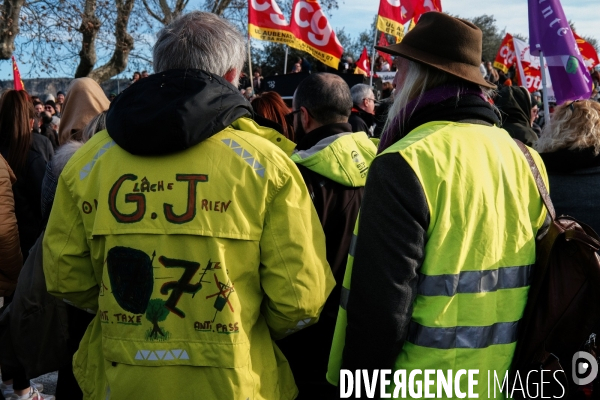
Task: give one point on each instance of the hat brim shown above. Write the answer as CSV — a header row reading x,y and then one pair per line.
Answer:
x,y
463,71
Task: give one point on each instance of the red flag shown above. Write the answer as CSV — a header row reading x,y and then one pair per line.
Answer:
x,y
18,82
363,65
383,42
423,6
506,55
314,33
266,22
392,16
590,56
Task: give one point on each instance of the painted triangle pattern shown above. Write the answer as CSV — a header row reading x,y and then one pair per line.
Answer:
x,y
301,324
245,154
87,168
166,355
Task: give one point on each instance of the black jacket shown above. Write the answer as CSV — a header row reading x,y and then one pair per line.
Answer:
x,y
173,110
28,191
361,121
337,206
575,184
514,103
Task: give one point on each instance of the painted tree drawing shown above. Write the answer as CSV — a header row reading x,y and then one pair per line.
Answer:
x,y
155,313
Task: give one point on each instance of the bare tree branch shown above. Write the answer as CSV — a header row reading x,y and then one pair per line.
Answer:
x,y
9,26
152,14
123,45
90,26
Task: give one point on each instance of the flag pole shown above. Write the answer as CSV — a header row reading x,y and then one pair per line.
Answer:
x,y
250,65
373,58
286,57
545,91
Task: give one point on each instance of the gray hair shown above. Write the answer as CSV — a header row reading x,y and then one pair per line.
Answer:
x,y
360,92
419,79
199,40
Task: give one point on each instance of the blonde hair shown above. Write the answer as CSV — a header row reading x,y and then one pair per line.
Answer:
x,y
573,126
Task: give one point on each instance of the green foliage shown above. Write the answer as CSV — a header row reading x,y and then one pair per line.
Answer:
x,y
156,311
492,36
152,335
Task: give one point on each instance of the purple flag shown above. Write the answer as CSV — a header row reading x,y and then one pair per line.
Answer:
x,y
550,33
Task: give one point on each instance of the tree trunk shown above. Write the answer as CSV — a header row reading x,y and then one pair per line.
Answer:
x,y
9,27
220,6
123,45
156,330
90,26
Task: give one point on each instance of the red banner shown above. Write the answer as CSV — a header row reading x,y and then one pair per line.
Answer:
x,y
18,82
392,16
314,33
423,6
363,65
506,55
383,42
266,22
590,56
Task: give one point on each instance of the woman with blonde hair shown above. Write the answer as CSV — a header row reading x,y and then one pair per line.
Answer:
x,y
570,148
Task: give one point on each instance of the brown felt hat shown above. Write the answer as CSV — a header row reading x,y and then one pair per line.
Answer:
x,y
446,43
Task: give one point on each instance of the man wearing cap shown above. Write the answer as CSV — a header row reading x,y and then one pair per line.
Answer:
x,y
438,276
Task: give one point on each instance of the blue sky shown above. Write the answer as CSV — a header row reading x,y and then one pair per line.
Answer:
x,y
356,16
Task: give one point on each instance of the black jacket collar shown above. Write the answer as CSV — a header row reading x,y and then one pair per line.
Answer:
x,y
173,110
322,132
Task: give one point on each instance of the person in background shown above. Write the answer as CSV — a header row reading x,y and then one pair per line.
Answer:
x,y
271,106
535,109
570,148
296,69
38,107
18,147
306,67
85,99
334,163
248,274
60,97
434,225
112,96
145,74
491,73
10,249
362,117
257,80
514,103
50,107
48,129
136,77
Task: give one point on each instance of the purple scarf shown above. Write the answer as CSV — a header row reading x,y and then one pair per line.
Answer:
x,y
395,131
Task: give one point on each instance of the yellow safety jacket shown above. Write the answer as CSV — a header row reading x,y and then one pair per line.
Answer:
x,y
485,212
194,261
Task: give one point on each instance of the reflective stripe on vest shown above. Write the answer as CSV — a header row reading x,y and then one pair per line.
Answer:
x,y
463,337
474,281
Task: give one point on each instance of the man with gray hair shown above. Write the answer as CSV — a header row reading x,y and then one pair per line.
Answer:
x,y
362,118
190,235
334,163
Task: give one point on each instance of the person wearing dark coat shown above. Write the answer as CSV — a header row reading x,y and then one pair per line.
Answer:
x,y
514,102
570,148
47,130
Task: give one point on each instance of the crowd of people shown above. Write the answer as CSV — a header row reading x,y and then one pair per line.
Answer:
x,y
199,237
